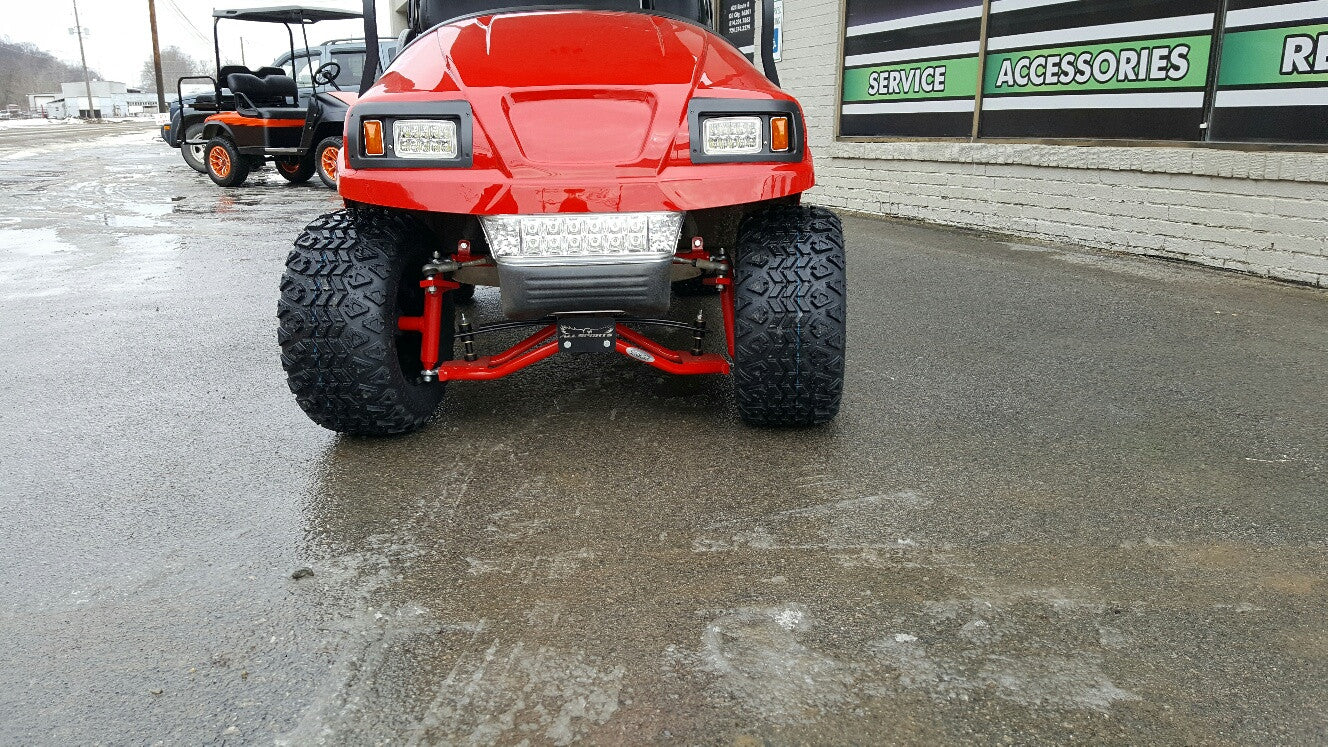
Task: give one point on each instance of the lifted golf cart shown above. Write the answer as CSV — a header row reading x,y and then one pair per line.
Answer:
x,y
582,160
264,119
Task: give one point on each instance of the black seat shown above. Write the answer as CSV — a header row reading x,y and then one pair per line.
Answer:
x,y
269,72
277,91
281,86
227,71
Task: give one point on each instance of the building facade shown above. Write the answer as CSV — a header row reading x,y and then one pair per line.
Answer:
x,y
110,99
1225,165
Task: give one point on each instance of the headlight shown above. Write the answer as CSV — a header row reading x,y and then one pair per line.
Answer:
x,y
745,131
622,237
410,135
731,136
424,138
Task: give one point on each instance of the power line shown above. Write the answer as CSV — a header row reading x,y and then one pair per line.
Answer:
x,y
189,23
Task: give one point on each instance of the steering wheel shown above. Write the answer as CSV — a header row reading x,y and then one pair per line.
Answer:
x,y
327,74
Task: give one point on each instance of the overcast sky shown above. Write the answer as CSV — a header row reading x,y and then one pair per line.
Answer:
x,y
119,38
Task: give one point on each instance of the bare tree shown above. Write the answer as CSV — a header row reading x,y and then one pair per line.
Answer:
x,y
25,69
175,64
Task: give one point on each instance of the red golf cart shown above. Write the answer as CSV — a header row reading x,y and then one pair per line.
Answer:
x,y
582,159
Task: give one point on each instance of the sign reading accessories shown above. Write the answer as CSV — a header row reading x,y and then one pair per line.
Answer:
x,y
1103,69
1081,69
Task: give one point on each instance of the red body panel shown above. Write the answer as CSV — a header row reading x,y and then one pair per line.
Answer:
x,y
574,111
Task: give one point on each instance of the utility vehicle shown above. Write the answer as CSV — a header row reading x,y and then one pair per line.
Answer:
x,y
581,158
267,120
184,129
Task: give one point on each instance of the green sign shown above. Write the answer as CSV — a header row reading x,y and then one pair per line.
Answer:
x,y
910,68
1292,56
912,81
1087,69
1180,62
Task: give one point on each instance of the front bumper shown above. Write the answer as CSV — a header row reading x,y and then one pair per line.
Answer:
x,y
615,263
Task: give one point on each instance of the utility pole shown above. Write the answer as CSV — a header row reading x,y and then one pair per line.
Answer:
x,y
156,58
87,80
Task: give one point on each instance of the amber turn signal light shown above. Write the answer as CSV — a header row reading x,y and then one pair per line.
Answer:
x,y
373,137
779,133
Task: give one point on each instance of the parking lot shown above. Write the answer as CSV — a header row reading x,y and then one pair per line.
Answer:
x,y
1071,497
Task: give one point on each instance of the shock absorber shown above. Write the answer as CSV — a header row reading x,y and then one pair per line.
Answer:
x,y
698,332
467,335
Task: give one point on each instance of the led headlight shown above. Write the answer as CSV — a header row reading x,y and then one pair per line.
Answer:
x,y
623,237
424,138
731,136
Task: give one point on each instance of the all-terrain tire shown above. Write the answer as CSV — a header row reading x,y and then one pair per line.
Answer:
x,y
326,155
296,170
193,154
225,166
349,277
788,364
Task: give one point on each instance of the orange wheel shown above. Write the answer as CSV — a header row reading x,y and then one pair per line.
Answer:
x,y
330,156
220,162
329,153
225,166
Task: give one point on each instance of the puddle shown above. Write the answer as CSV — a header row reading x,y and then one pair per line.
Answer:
x,y
32,242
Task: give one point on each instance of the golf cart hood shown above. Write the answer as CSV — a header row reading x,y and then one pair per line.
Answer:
x,y
572,111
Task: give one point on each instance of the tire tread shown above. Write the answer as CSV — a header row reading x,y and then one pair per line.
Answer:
x,y
337,325
791,309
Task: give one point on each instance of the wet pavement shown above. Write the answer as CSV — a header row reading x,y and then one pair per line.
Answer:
x,y
1071,497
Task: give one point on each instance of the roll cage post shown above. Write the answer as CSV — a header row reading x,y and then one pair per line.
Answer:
x,y
768,41
370,73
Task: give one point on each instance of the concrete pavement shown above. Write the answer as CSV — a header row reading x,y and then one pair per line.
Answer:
x,y
1071,497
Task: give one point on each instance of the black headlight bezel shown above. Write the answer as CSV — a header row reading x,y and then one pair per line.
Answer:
x,y
388,113
701,109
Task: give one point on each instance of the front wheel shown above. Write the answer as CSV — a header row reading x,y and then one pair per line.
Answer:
x,y
225,166
350,276
789,298
327,154
193,154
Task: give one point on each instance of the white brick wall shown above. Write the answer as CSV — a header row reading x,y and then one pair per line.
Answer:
x,y
1259,212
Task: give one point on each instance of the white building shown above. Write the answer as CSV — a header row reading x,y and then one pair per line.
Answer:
x,y
109,99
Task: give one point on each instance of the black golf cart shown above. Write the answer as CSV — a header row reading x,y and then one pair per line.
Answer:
x,y
260,114
189,110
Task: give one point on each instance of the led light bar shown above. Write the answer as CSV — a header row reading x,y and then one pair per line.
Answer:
x,y
557,237
424,138
731,136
